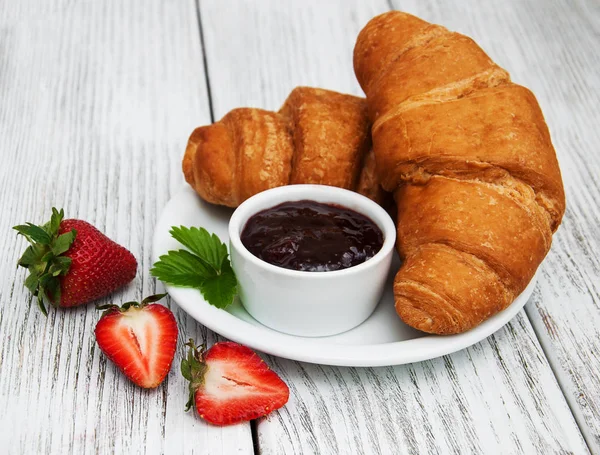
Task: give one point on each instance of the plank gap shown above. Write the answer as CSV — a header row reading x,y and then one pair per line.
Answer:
x,y
559,380
205,62
254,431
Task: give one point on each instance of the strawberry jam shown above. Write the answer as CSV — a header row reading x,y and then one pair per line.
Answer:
x,y
311,236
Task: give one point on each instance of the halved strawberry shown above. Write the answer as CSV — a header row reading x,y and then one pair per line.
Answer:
x,y
230,383
140,338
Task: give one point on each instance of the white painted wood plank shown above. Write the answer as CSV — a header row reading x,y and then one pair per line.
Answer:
x,y
550,46
496,397
257,53
499,396
97,102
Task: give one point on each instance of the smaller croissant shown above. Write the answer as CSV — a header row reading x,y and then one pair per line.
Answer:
x,y
318,136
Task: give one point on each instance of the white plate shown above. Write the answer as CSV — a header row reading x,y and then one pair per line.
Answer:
x,y
381,340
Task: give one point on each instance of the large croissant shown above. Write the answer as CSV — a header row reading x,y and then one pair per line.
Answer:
x,y
318,136
469,157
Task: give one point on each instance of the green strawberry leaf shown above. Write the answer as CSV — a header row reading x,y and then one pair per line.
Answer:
x,y
193,369
63,242
153,298
32,254
47,258
31,283
43,258
41,298
54,225
186,369
60,266
205,267
53,290
201,243
220,290
33,233
181,268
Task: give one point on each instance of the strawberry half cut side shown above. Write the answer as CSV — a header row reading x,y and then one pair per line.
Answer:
x,y
140,338
230,383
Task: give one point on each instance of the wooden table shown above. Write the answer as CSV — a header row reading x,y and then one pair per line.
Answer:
x,y
97,100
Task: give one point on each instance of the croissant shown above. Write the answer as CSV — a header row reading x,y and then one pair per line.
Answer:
x,y
469,158
318,136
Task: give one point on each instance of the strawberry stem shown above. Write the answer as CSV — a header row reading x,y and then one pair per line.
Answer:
x,y
153,298
110,307
193,369
43,258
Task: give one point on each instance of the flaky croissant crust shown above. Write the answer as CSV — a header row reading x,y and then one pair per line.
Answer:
x,y
318,136
469,158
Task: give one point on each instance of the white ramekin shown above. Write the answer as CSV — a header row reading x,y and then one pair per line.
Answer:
x,y
310,303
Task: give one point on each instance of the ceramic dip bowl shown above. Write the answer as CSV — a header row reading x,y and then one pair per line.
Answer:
x,y
307,303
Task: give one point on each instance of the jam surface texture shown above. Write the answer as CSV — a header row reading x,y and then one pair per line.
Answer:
x,y
311,236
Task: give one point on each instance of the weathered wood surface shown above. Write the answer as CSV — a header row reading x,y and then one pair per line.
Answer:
x,y
96,102
499,396
551,47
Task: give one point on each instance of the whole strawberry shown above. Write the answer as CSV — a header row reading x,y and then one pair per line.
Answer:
x,y
140,338
230,383
70,262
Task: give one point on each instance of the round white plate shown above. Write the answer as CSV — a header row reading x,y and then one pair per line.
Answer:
x,y
381,340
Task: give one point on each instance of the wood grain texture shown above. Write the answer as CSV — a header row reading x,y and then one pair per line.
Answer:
x,y
256,54
546,46
98,99
496,397
499,396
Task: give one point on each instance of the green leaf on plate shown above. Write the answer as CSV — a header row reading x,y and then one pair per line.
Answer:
x,y
181,268
220,290
207,247
205,266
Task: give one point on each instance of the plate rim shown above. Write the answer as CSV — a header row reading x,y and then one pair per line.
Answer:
x,y
314,350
